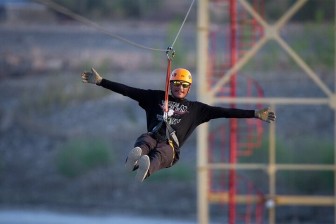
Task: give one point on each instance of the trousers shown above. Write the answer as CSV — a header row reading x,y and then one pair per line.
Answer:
x,y
159,151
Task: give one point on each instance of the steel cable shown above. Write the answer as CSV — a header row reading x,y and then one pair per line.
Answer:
x,y
61,9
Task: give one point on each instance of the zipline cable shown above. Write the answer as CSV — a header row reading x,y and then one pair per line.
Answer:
x,y
185,18
61,9
169,51
79,18
170,55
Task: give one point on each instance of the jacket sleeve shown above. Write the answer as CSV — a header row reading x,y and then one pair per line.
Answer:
x,y
212,112
131,92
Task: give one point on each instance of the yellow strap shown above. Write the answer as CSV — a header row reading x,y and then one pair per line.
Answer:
x,y
170,142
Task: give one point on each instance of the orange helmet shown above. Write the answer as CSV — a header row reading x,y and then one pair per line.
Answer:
x,y
181,74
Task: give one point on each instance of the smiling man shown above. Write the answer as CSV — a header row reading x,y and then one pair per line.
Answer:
x,y
160,146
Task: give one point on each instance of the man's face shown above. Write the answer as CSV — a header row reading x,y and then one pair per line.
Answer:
x,y
179,89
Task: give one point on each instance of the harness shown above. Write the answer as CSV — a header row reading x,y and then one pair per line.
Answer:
x,y
170,134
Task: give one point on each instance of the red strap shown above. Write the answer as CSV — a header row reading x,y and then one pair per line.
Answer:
x,y
167,86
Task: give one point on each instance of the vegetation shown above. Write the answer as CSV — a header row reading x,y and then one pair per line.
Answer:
x,y
179,58
316,151
318,11
300,182
54,94
111,9
79,156
314,49
312,11
179,172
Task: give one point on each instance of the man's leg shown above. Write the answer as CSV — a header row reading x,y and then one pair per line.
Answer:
x,y
146,142
160,157
142,146
132,158
143,168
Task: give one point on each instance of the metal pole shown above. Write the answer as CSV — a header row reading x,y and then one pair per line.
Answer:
x,y
335,120
233,122
272,171
202,132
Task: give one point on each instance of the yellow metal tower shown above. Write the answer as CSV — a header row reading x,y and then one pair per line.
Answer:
x,y
273,199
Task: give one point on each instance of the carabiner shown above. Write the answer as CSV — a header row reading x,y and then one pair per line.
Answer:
x,y
170,53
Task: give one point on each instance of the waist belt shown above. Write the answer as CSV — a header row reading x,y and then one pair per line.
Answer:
x,y
170,133
158,136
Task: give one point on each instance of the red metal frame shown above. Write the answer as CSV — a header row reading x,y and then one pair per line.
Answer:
x,y
233,122
242,32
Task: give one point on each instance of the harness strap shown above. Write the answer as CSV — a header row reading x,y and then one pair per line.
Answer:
x,y
157,127
165,106
170,132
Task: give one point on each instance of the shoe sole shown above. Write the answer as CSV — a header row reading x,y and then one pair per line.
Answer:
x,y
142,171
133,158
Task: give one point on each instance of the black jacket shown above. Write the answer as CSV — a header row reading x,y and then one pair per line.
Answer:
x,y
185,115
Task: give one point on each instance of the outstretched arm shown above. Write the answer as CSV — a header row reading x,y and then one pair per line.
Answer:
x,y
265,115
212,112
134,93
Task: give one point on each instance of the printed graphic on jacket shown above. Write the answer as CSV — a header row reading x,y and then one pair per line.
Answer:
x,y
175,111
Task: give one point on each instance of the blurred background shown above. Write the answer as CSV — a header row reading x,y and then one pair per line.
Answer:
x,y
63,143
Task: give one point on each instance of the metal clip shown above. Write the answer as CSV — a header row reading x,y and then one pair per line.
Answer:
x,y
165,116
170,53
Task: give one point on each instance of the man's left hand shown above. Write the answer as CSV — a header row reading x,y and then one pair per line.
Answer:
x,y
265,115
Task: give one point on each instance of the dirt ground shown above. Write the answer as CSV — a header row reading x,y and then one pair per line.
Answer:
x,y
47,61
44,217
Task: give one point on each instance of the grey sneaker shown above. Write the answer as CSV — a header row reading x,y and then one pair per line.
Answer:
x,y
132,158
142,171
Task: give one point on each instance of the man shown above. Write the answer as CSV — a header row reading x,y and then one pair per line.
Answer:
x,y
159,147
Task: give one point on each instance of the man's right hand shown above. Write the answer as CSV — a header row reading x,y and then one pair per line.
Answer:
x,y
91,77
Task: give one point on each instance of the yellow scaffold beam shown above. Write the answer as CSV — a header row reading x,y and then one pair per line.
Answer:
x,y
280,200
